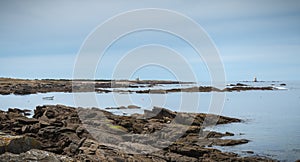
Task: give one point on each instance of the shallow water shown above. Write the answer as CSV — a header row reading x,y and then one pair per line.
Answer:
x,y
271,117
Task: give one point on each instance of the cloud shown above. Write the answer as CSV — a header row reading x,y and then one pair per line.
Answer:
x,y
246,32
67,23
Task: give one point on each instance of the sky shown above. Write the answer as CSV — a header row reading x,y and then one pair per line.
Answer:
x,y
41,39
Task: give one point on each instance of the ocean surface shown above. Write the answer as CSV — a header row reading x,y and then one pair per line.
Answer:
x,y
270,118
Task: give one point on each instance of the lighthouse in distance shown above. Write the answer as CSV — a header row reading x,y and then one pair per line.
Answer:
x,y
254,79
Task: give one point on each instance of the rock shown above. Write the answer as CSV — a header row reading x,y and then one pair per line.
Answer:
x,y
43,124
24,112
14,110
29,121
194,129
133,107
50,114
230,142
13,115
159,113
213,134
240,84
248,152
137,148
246,88
98,135
25,128
185,119
3,116
35,155
226,120
229,134
17,144
24,87
34,128
191,151
87,150
123,107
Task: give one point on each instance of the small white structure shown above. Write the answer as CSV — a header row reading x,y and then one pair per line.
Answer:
x,y
255,79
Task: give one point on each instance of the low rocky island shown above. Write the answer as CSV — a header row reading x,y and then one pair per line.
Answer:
x,y
62,133
25,86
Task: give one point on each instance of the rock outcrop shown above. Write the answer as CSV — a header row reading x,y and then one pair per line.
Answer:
x,y
97,135
17,144
24,87
35,155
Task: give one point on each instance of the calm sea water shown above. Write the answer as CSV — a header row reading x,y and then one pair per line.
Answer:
x,y
271,117
272,121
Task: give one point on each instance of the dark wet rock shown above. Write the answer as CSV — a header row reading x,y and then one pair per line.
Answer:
x,y
237,87
248,152
283,84
238,84
229,134
246,88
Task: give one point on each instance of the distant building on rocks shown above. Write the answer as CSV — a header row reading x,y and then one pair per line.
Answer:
x,y
255,79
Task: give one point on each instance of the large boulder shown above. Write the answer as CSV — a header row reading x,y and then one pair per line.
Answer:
x,y
17,144
34,155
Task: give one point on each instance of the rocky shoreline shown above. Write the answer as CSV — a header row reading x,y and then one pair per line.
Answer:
x,y
25,86
62,133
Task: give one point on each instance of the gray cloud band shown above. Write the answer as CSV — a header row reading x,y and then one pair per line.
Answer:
x,y
162,20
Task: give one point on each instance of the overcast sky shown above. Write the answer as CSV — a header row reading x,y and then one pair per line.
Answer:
x,y
40,39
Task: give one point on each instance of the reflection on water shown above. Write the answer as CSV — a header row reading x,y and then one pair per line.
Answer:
x,y
271,117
